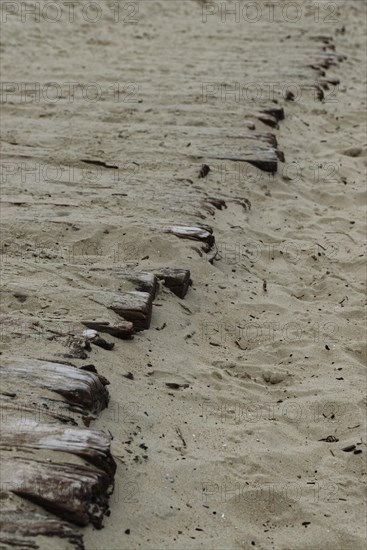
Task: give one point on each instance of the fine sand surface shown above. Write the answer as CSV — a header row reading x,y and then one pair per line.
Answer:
x,y
269,341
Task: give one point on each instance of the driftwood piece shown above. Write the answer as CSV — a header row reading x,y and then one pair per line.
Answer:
x,y
201,232
268,119
133,306
177,280
267,137
42,410
123,330
73,492
18,529
275,111
263,158
92,445
256,148
271,116
219,204
211,204
85,389
46,459
144,282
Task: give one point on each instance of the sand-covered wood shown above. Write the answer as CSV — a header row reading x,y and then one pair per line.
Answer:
x,y
73,492
133,306
177,280
144,282
48,456
24,529
198,232
93,446
80,388
123,329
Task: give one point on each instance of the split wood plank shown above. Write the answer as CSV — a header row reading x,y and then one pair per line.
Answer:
x,y
79,387
144,282
26,530
177,280
198,232
133,306
73,492
123,329
49,461
92,445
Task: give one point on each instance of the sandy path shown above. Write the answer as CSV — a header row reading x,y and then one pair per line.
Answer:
x,y
236,459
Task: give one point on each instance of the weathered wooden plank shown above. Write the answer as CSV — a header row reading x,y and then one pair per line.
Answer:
x,y
263,158
275,111
177,280
123,330
219,204
19,529
92,445
133,306
73,492
45,409
198,232
144,282
268,119
79,387
67,470
256,148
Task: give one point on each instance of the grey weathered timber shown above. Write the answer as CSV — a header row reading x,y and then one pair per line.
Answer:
x,y
48,457
177,280
19,529
133,306
123,329
198,232
79,387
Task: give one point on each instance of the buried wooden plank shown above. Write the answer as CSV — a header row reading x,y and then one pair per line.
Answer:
x,y
92,445
219,204
123,330
73,492
133,306
256,148
198,232
84,389
67,470
144,282
268,119
19,529
177,280
263,158
275,111
45,410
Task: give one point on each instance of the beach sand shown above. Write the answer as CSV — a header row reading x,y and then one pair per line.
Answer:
x,y
269,341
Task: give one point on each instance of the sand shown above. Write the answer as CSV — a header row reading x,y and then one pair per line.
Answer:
x,y
270,337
